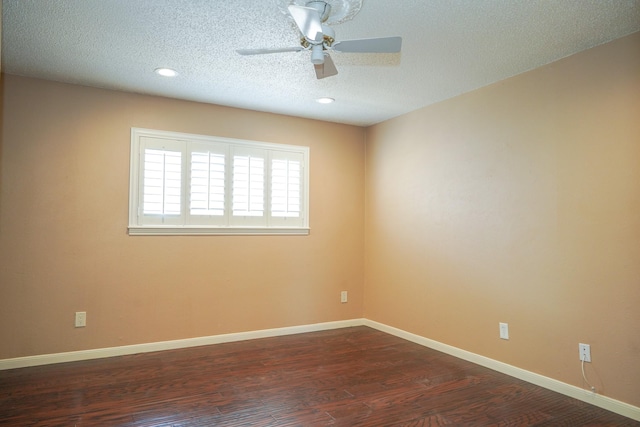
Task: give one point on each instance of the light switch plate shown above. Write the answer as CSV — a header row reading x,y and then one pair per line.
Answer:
x,y
504,331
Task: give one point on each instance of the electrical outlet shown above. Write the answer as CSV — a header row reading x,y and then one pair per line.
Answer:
x,y
504,331
585,352
81,319
343,296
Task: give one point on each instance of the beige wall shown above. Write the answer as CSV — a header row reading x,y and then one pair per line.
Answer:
x,y
517,203
63,228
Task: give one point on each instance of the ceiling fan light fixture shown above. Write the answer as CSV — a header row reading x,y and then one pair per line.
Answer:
x,y
166,72
325,100
317,54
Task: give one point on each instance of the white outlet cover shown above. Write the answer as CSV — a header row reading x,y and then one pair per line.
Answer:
x,y
81,319
585,352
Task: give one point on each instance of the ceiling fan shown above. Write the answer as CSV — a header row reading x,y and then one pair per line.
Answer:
x,y
319,38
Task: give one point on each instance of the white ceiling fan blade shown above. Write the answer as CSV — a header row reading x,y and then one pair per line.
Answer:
x,y
272,50
377,45
326,69
308,21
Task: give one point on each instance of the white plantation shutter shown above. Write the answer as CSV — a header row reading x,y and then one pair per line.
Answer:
x,y
248,188
207,181
286,188
162,181
207,184
194,184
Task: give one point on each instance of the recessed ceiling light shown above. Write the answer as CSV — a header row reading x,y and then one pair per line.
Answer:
x,y
325,100
166,72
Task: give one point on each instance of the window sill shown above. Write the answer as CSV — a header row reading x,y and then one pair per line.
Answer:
x,y
217,231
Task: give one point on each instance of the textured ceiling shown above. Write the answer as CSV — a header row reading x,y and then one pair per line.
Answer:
x,y
449,47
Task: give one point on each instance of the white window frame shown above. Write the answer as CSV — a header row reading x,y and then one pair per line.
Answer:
x,y
187,224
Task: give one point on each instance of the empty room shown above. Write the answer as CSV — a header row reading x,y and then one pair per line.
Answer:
x,y
308,213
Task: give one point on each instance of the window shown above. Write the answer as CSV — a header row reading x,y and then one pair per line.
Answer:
x,y
194,184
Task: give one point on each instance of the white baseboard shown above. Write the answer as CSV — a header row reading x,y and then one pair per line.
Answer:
x,y
74,356
599,400
595,399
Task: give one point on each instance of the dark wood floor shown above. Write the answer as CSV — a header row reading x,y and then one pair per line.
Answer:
x,y
346,377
